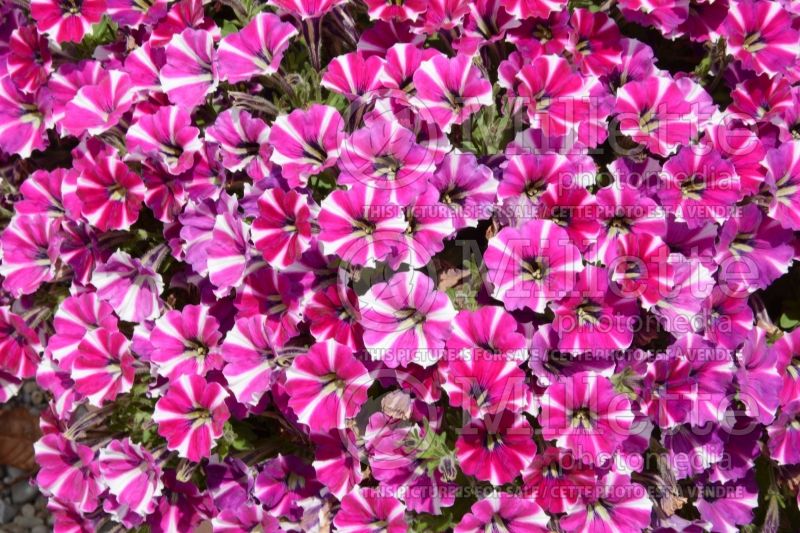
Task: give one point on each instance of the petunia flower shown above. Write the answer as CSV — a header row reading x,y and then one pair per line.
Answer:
x,y
760,35
594,42
131,286
191,415
326,386
365,506
185,343
67,20
23,118
29,61
250,359
757,377
728,318
556,479
615,503
19,347
526,177
132,13
354,75
450,90
111,194
306,142
68,471
256,50
783,183
336,461
584,414
97,108
533,8
30,246
727,505
283,482
641,269
131,474
103,368
501,511
167,136
497,448
191,69
242,139
532,265
465,186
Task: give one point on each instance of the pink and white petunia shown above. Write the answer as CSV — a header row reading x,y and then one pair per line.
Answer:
x,y
191,69
584,414
615,504
67,20
468,188
332,313
406,320
354,75
556,479
103,367
282,229
191,415
761,35
30,246
364,507
185,343
306,142
250,359
256,50
783,183
337,461
360,225
111,194
68,471
131,286
29,61
532,265
497,448
131,474
533,8
167,136
229,248
23,118
19,347
97,108
242,139
327,386
504,512
594,42
133,13
450,90
641,268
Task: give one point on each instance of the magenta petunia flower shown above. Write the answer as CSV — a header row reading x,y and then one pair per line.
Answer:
x,y
131,286
256,50
496,449
594,42
727,505
641,268
385,156
360,225
533,8
488,332
333,314
655,113
526,177
306,142
111,194
242,140
97,108
593,316
783,182
428,224
556,479
784,435
450,90
229,250
699,187
532,265
573,208
103,367
191,69
131,474
306,8
23,118
728,318
336,461
68,471
277,296
466,187
760,34
191,415
67,20
616,503
250,359
757,377
185,343
504,512
30,246
19,346
364,507
761,99
406,320
282,229
133,13
284,481
584,414
326,386
354,75
166,137
752,250
29,61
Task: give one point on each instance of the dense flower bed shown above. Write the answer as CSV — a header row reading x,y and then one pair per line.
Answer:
x,y
497,265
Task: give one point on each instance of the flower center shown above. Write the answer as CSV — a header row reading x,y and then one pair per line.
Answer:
x,y
692,187
754,43
533,269
583,418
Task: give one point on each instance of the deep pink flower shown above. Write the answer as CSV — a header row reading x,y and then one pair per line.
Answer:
x,y
406,320
131,474
256,50
132,287
496,448
249,355
533,8
556,479
66,20
191,415
229,250
30,246
306,8
783,182
353,75
760,34
97,108
326,386
306,142
167,137
185,343
103,367
428,224
450,90
641,268
532,265
727,505
616,503
283,482
242,139
29,62
504,512
282,230
23,118
761,99
488,332
468,188
133,13
111,194
526,177
333,314
336,461
757,377
67,471
594,42
584,414
191,70
19,346
728,318
363,507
